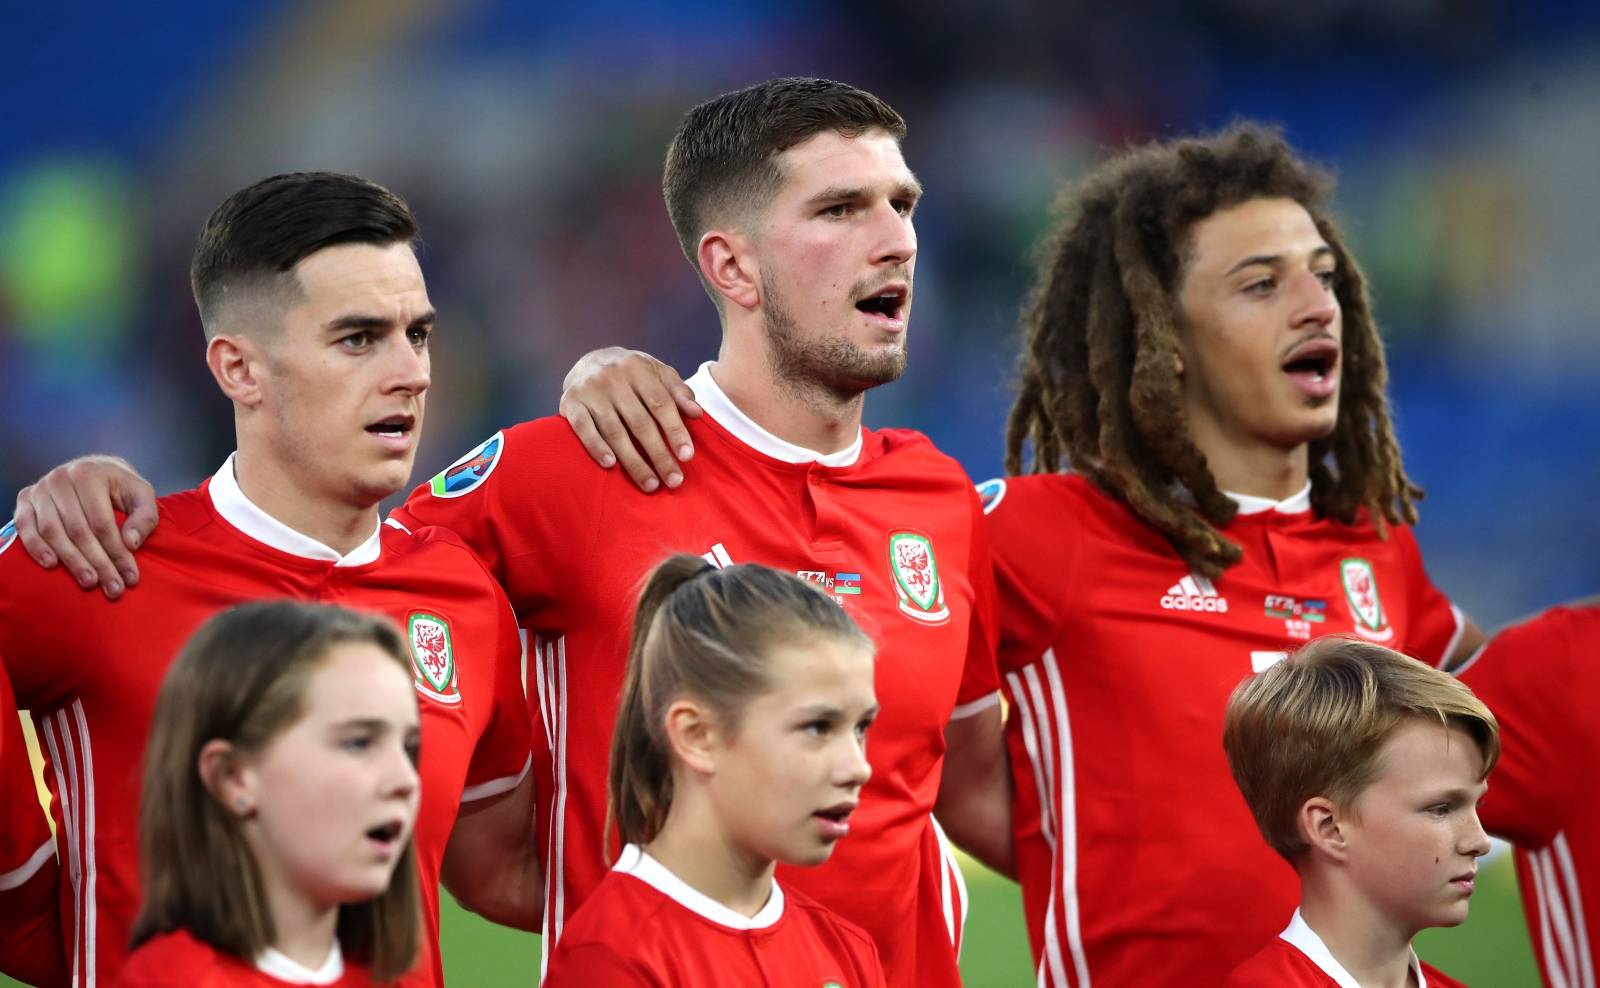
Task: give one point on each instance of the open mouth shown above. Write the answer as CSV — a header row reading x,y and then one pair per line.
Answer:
x,y
393,427
888,302
1315,360
386,833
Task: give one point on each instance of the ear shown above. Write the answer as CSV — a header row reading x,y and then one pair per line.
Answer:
x,y
228,778
1177,363
1323,826
728,262
692,735
235,362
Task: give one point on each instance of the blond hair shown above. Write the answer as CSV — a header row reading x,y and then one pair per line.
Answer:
x,y
1315,723
705,633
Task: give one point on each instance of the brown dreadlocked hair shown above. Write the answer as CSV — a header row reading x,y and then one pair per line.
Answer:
x,y
1097,386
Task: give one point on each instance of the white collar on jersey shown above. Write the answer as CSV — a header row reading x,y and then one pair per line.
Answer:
x,y
1294,504
1304,939
720,407
285,968
634,861
243,514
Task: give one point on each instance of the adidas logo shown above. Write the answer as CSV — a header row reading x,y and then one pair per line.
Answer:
x,y
1194,593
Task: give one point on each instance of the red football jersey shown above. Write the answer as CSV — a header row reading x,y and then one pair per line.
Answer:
x,y
645,927
890,527
89,670
30,930
1139,861
1540,677
178,960
1299,959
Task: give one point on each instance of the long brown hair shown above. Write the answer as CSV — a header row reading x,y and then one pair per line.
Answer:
x,y
242,678
703,632
1097,389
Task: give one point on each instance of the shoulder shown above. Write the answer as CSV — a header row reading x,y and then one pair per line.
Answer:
x,y
1277,965
177,958
1032,493
622,910
911,451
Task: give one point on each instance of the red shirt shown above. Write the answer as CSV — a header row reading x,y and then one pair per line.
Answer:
x,y
30,930
890,526
178,960
1540,678
89,670
1139,861
1299,959
645,927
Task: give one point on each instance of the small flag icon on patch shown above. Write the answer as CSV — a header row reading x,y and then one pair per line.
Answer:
x,y
847,583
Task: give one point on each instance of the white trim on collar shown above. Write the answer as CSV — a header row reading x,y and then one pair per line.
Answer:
x,y
1302,937
1294,504
285,968
242,513
634,861
720,407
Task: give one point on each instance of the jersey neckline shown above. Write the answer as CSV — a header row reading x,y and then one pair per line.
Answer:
x,y
239,511
710,396
1299,935
637,863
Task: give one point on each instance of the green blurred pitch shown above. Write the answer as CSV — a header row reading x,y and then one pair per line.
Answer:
x,y
1489,951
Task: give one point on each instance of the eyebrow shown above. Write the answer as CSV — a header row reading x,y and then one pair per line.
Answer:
x,y
1275,260
363,321
840,193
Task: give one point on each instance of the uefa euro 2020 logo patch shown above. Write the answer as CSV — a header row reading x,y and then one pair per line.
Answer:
x,y
1361,590
916,578
432,657
991,493
8,535
466,474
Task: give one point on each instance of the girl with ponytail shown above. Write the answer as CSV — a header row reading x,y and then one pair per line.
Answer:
x,y
740,742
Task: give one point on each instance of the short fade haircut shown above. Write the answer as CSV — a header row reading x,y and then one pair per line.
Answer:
x,y
723,159
1315,725
255,238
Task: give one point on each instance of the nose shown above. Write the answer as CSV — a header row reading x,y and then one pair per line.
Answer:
x,y
1316,305
897,237
1475,841
410,367
854,770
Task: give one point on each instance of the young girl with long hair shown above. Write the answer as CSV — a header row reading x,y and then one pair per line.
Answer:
x,y
740,742
280,790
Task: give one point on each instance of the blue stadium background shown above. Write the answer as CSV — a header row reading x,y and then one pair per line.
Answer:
x,y
528,137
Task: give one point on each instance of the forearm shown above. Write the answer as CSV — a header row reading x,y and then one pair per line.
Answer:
x,y
974,803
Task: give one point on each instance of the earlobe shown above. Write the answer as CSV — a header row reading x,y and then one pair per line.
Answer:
x,y
692,736
728,264
233,364
1321,825
226,778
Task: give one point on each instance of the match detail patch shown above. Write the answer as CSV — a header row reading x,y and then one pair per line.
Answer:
x,y
991,493
466,474
8,535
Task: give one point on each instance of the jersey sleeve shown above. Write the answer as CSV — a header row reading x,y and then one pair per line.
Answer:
x,y
39,609
528,501
1433,624
980,681
504,751
30,931
1024,599
598,965
1538,677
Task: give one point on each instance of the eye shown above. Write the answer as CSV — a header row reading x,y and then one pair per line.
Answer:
x,y
905,207
414,747
1326,277
863,725
1261,286
838,210
359,340
358,743
819,728
419,336
1440,810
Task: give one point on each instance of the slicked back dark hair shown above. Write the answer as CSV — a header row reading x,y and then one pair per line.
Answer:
x,y
1097,387
258,234
723,159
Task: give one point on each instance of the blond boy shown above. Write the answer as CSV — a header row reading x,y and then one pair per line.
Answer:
x,y
1364,769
